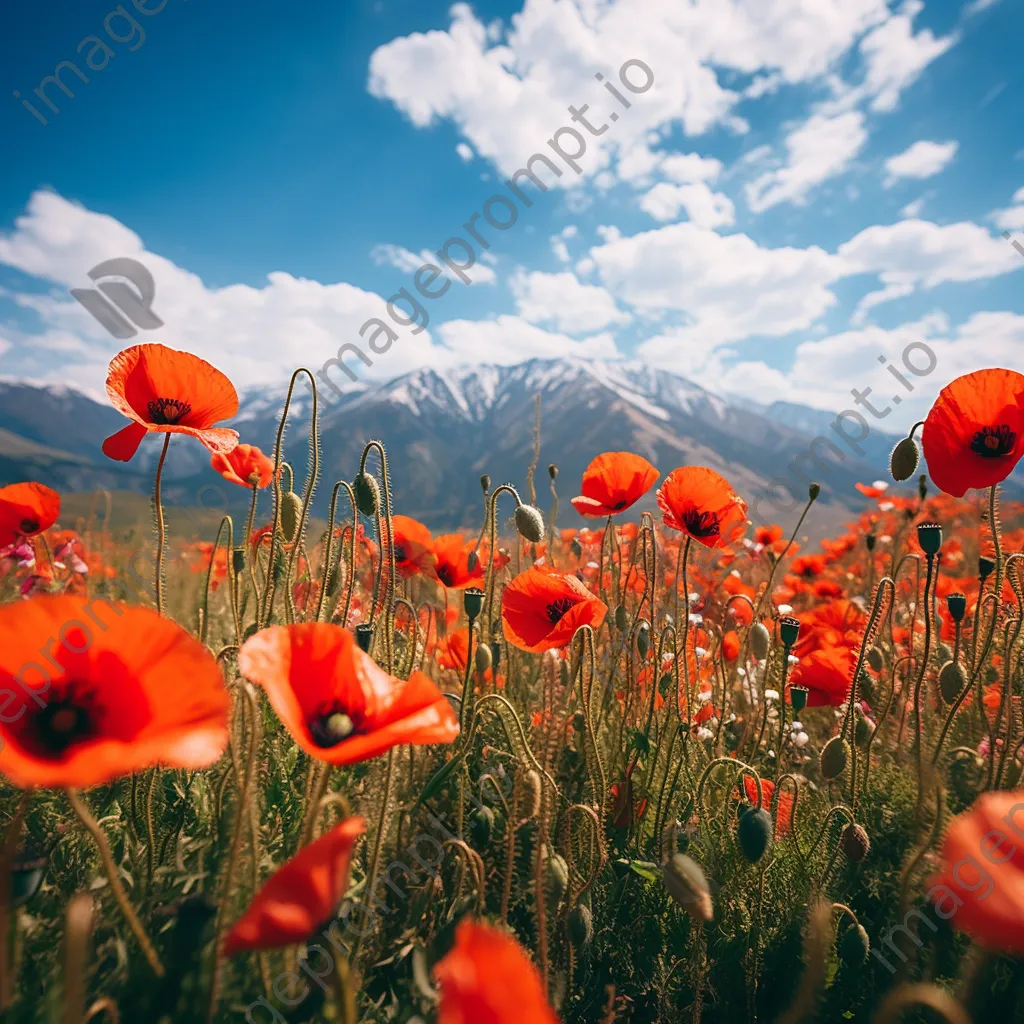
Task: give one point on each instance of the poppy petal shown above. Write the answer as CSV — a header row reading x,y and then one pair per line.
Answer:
x,y
123,445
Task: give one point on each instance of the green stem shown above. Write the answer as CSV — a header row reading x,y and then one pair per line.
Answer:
x,y
161,526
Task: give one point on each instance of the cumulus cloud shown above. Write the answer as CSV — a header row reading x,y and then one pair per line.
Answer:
x,y
511,339
1012,218
563,302
408,262
921,160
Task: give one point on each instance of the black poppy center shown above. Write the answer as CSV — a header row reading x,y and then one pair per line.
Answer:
x,y
400,555
558,608
163,411
701,524
28,525
619,505
333,724
67,718
994,442
444,574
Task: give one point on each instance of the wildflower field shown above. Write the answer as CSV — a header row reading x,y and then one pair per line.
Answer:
x,y
674,766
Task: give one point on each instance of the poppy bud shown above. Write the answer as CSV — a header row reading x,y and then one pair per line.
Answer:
x,y
863,729
556,873
929,536
687,885
957,605
367,493
875,659
576,548
855,843
904,459
789,631
530,523
364,635
531,804
472,601
870,541
553,471
833,758
485,483
922,486
951,681
798,697
854,946
482,658
238,560
472,560
754,833
291,513
760,641
496,653
620,617
480,826
813,491
986,566
581,926
643,639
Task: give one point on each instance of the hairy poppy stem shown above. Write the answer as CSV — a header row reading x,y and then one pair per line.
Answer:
x,y
77,929
116,887
161,526
378,840
6,856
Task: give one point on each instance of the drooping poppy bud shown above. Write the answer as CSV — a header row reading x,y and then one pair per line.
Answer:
x,y
581,926
556,874
687,885
904,460
754,833
760,641
485,483
620,618
855,842
854,946
951,681
833,758
480,827
291,513
482,658
553,471
530,523
367,493
875,659
813,491
643,639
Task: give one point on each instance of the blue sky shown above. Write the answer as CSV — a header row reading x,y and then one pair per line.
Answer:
x,y
805,186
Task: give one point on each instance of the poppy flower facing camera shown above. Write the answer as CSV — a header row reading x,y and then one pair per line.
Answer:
x,y
701,503
26,510
974,433
164,391
541,609
612,483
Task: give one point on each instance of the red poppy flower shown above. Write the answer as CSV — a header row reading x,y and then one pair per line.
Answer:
x,y
731,645
487,978
701,503
453,650
826,673
25,510
808,566
245,464
875,490
452,552
164,391
300,897
613,482
784,817
542,609
974,433
981,884
336,702
124,690
413,547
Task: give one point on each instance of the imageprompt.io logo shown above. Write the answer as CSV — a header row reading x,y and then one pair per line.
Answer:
x,y
119,306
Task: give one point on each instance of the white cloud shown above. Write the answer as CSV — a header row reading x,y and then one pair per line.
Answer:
x,y
395,256
913,209
707,209
561,301
511,339
465,152
977,6
1012,218
821,148
921,160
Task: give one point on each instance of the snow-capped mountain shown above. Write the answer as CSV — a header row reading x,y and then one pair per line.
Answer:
x,y
444,429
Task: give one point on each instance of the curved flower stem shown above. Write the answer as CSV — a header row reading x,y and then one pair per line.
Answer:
x,y
161,526
918,710
378,841
329,545
250,550
116,888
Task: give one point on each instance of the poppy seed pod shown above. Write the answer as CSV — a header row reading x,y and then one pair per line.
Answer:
x,y
238,560
875,659
485,483
687,885
480,826
951,681
643,639
855,842
833,758
553,471
854,946
620,617
986,566
754,833
530,523
291,513
482,658
789,631
813,491
581,926
760,641
929,536
957,605
472,601
364,635
798,697
904,460
367,493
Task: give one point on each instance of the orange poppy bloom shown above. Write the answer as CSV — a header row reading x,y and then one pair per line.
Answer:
x,y
731,645
613,482
701,503
826,673
487,978
126,689
337,703
452,553
875,490
164,391
784,817
245,465
413,547
25,510
301,896
541,609
453,650
982,880
974,433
